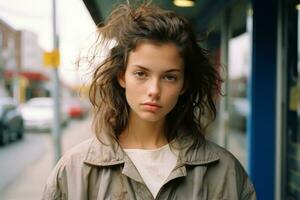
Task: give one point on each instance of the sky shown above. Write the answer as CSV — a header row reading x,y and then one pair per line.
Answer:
x,y
75,28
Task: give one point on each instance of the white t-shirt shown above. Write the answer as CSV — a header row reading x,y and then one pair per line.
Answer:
x,y
154,165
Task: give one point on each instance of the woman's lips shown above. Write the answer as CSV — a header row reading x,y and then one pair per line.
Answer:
x,y
152,107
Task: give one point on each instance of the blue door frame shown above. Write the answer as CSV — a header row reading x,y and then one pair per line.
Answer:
x,y
262,96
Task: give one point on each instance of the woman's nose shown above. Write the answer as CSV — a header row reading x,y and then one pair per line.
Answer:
x,y
154,89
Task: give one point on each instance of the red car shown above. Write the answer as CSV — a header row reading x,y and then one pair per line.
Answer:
x,y
77,108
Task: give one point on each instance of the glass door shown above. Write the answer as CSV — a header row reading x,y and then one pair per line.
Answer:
x,y
292,132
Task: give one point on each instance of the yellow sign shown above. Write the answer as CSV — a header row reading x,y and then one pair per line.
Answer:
x,y
52,59
294,96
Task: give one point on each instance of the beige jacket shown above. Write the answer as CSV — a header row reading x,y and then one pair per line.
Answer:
x,y
96,171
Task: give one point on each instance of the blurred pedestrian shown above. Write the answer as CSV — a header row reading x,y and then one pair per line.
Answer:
x,y
153,97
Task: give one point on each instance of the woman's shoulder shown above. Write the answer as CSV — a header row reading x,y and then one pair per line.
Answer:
x,y
225,157
72,162
73,156
205,150
77,152
91,151
219,150
230,168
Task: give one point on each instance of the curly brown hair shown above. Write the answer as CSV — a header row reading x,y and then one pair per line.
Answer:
x,y
128,26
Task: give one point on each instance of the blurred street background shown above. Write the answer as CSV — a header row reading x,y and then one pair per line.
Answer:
x,y
44,109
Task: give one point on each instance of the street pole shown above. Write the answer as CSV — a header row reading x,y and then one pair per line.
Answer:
x,y
224,113
56,132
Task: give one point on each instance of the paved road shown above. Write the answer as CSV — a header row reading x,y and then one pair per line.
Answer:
x,y
29,183
16,156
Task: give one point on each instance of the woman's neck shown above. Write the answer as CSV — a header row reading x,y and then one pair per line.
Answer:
x,y
140,134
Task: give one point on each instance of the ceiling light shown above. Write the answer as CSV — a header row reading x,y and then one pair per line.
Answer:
x,y
184,3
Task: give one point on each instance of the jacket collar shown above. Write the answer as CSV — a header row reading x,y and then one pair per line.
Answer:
x,y
108,152
195,151
105,152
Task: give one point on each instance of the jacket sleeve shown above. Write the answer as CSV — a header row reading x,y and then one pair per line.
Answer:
x,y
55,188
248,191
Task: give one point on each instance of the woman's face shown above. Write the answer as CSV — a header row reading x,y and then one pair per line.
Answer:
x,y
153,80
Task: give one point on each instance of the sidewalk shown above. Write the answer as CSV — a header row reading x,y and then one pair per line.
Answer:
x,y
30,184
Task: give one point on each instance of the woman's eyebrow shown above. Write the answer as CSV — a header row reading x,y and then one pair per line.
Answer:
x,y
169,70
141,67
174,70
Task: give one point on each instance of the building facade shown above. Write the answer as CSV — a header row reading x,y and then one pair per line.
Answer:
x,y
23,75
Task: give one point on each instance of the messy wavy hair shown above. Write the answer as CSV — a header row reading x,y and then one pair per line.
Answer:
x,y
125,28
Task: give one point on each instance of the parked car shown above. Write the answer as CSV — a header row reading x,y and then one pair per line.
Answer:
x,y
38,114
11,121
77,108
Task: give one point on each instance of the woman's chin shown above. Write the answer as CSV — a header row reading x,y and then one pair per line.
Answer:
x,y
150,117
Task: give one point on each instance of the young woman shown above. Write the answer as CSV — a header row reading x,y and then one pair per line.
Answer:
x,y
153,97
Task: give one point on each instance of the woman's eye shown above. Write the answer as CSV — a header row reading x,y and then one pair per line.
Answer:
x,y
170,77
139,74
